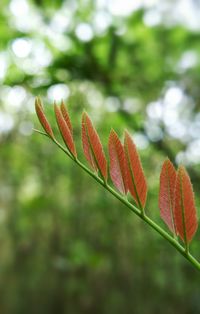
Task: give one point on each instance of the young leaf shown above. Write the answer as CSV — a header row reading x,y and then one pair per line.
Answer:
x,y
136,180
166,194
86,146
42,118
66,116
64,130
184,207
117,162
92,147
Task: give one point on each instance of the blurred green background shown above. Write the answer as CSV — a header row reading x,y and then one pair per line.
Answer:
x,y
66,245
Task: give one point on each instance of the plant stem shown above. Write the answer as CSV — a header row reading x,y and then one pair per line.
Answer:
x,y
182,250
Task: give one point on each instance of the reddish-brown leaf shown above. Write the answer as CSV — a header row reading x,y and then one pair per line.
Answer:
x,y
184,207
166,194
136,180
42,118
92,146
117,162
64,130
86,145
66,116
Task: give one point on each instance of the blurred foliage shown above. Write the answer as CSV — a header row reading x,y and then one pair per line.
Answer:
x,y
66,246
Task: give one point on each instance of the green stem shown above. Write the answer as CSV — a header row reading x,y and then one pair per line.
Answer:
x,y
132,207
